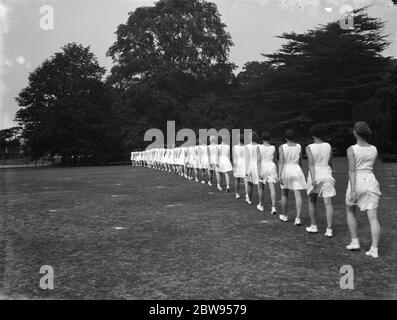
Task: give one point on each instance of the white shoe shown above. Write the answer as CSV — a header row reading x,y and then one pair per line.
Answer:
x,y
220,188
329,233
354,245
209,183
260,208
247,199
283,218
373,252
312,229
203,182
237,196
274,211
297,222
197,180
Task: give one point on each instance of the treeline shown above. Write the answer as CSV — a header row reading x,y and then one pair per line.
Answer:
x,y
171,62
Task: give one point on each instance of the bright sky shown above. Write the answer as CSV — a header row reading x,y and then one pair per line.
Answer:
x,y
253,25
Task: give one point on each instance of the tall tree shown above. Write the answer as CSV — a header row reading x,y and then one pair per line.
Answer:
x,y
65,109
324,74
165,56
173,38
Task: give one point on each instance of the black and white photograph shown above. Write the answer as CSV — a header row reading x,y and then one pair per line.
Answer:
x,y
216,151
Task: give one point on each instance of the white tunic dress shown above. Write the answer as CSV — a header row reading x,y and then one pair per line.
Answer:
x,y
197,162
170,156
213,156
367,187
204,159
191,156
224,164
183,156
251,160
292,174
239,161
325,182
267,169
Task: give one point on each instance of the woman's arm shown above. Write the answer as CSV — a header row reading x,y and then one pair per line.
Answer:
x,y
258,161
301,158
275,158
352,171
310,162
247,159
280,163
376,163
217,155
331,158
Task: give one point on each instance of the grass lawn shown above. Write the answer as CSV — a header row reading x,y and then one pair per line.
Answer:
x,y
137,233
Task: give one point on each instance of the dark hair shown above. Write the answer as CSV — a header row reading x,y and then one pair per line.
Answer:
x,y
289,134
216,138
266,136
363,130
254,137
318,131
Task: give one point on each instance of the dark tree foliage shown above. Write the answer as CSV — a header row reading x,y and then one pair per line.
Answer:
x,y
174,40
10,140
327,73
65,109
166,58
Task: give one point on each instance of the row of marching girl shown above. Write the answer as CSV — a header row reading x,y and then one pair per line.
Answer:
x,y
206,161
201,162
256,164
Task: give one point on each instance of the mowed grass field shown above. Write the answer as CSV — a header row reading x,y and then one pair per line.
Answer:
x,y
138,233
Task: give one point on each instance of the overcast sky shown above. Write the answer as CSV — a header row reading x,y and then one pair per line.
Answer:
x,y
253,25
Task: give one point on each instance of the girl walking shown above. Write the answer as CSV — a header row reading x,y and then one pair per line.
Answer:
x,y
224,164
320,182
363,189
213,159
291,175
252,166
267,172
239,165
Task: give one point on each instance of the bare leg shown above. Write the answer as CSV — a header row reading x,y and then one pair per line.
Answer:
x,y
249,190
329,211
210,175
272,189
312,208
352,221
375,227
227,176
261,193
205,175
237,185
298,202
218,178
284,202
